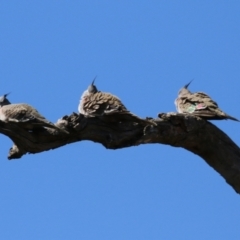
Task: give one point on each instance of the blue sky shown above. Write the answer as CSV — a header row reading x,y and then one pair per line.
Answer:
x,y
143,52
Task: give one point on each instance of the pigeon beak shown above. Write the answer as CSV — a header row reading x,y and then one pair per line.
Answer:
x,y
186,86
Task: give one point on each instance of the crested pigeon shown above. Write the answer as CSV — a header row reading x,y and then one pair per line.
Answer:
x,y
22,112
96,103
199,104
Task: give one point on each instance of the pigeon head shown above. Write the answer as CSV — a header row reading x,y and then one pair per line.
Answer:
x,y
4,100
92,88
184,91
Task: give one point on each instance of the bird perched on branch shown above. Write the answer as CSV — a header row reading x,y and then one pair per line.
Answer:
x,y
22,112
96,103
199,104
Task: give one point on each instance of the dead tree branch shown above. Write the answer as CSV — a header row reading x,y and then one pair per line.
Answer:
x,y
118,131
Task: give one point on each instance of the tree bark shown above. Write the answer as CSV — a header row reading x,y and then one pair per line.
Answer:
x,y
118,131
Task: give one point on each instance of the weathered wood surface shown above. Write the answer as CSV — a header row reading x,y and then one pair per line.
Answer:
x,y
118,131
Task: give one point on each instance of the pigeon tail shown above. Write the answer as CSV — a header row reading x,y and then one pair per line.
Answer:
x,y
232,118
208,115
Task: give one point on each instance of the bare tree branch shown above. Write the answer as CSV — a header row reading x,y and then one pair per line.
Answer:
x,y
118,131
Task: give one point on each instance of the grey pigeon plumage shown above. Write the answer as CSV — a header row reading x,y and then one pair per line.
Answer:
x,y
199,104
22,113
96,103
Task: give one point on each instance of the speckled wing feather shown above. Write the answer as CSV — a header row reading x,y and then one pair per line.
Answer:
x,y
200,104
102,104
24,112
